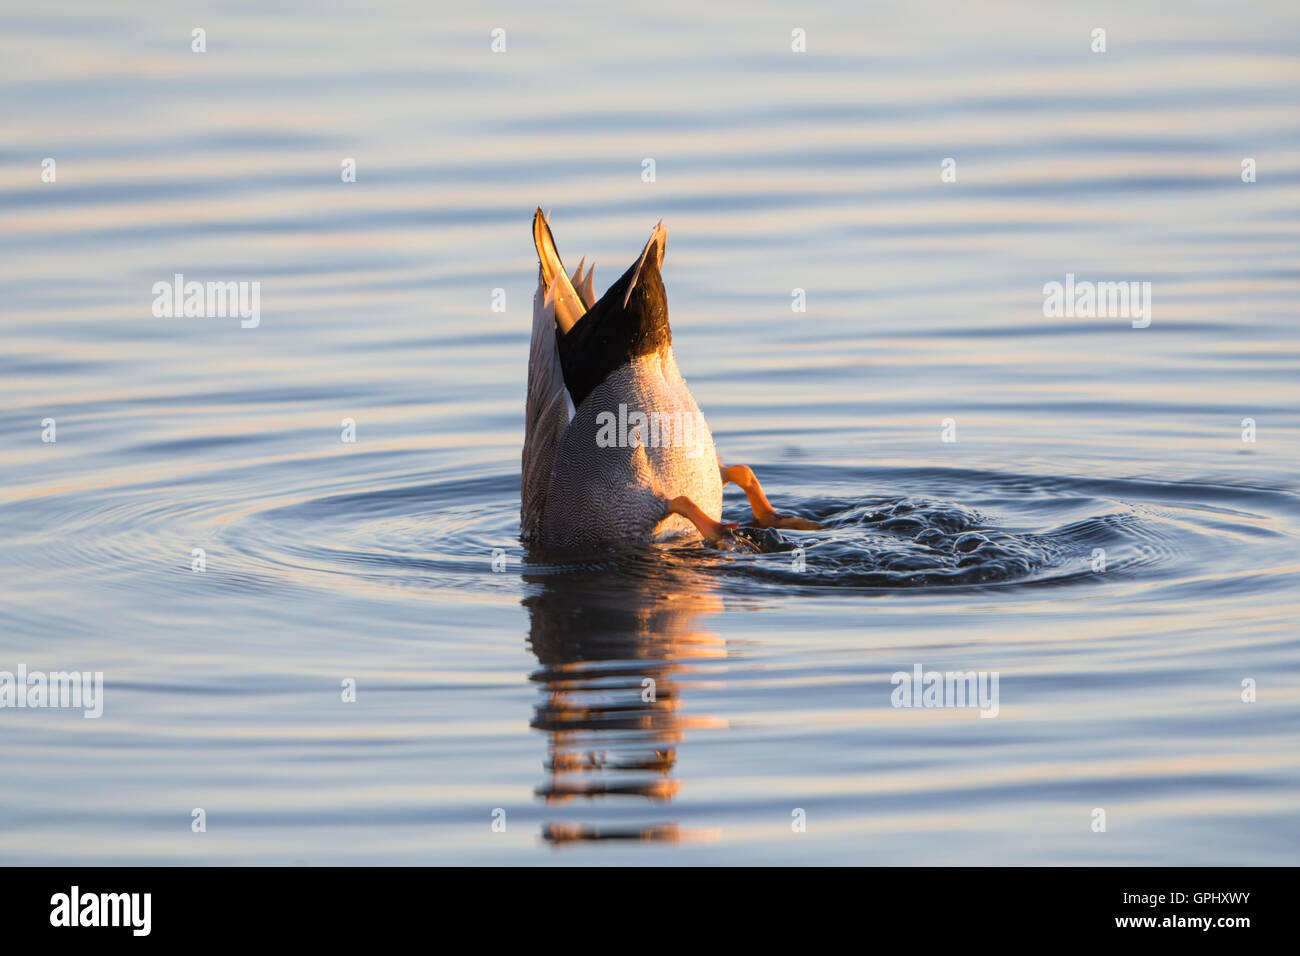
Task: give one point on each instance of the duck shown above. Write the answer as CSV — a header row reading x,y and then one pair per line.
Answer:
x,y
616,449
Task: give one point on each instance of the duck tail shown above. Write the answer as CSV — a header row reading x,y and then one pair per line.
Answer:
x,y
629,320
548,407
569,307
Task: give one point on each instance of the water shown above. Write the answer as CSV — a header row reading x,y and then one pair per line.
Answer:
x,y
524,691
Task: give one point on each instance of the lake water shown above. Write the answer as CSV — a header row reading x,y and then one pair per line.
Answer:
x,y
1134,557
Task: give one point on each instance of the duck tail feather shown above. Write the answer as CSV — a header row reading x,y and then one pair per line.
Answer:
x,y
568,308
657,242
547,411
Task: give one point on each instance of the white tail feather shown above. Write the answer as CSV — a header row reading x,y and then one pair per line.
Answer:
x,y
568,306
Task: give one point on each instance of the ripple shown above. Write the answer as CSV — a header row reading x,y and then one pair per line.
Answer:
x,y
1043,530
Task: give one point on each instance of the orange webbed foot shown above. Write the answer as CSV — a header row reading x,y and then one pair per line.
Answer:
x,y
717,533
765,516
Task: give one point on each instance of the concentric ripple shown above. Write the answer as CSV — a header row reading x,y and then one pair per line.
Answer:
x,y
987,529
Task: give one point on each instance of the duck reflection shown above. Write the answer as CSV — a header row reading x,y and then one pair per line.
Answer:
x,y
613,645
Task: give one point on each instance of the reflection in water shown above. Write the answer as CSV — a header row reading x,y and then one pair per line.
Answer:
x,y
612,648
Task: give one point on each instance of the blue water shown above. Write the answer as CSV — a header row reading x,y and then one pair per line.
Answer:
x,y
1099,534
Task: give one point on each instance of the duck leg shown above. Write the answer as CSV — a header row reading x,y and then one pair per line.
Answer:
x,y
714,532
765,516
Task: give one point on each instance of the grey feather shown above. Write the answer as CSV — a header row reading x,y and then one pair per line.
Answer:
x,y
602,493
546,415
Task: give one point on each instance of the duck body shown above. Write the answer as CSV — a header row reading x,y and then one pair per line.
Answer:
x,y
616,450
613,435
615,474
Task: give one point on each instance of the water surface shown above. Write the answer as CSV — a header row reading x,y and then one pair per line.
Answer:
x,y
1098,534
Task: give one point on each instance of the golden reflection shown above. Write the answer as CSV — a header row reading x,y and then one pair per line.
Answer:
x,y
614,648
